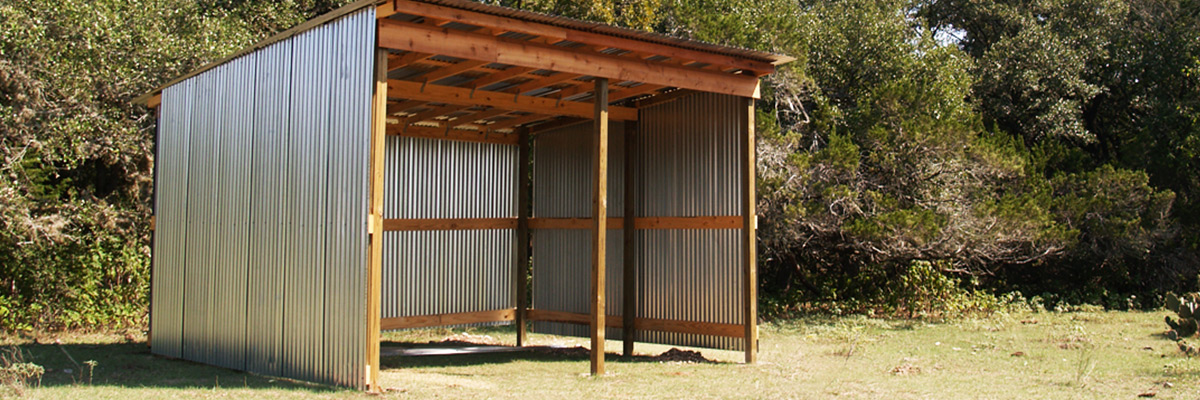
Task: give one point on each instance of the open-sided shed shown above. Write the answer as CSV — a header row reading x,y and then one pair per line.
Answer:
x,y
413,163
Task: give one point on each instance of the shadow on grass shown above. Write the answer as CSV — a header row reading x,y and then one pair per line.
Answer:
x,y
532,354
132,365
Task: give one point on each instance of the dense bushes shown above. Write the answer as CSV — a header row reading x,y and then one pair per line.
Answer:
x,y
75,154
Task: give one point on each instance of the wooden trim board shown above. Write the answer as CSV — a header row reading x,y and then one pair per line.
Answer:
x,y
643,324
426,321
643,223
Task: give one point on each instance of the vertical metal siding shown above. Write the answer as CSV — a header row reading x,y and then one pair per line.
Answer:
x,y
171,220
263,199
562,188
441,272
688,165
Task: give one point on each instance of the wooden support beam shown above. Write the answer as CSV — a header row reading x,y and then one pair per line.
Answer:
x,y
461,135
448,224
749,224
462,96
154,101
539,83
524,184
484,115
394,108
375,232
433,113
452,70
644,324
599,221
500,76
427,321
558,34
643,223
515,121
474,46
629,261
407,59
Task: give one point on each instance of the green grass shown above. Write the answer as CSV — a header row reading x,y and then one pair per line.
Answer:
x,y
1101,355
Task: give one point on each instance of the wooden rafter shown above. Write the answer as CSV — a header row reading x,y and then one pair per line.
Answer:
x,y
462,96
433,113
513,122
402,106
452,70
397,62
462,44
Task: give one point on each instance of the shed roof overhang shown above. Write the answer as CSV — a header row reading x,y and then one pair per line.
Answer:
x,y
463,70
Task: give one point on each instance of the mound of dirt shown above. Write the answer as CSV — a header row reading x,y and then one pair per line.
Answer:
x,y
677,355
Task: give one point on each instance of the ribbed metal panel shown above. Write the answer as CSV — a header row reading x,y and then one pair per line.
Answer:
x,y
562,188
688,165
440,272
261,238
170,234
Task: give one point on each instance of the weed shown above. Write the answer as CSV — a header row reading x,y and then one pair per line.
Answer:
x,y
16,374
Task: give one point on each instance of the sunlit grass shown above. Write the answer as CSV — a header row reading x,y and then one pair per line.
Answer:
x,y
1101,355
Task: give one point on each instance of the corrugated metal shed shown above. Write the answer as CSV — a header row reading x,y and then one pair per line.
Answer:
x,y
399,164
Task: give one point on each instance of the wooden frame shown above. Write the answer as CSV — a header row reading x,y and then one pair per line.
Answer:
x,y
643,223
599,221
448,224
375,222
463,44
524,192
749,256
426,321
629,261
647,324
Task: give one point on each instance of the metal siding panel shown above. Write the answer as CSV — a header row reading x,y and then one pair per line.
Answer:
x,y
263,197
562,258
688,166
170,214
439,272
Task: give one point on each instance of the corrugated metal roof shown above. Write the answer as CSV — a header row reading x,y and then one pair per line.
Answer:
x,y
599,28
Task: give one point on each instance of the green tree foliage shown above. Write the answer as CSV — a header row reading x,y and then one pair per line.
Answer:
x,y
75,154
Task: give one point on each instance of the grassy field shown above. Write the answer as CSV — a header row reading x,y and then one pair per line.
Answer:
x,y
1102,355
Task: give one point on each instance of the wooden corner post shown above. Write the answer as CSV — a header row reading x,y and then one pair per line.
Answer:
x,y
629,267
375,220
599,220
749,225
522,264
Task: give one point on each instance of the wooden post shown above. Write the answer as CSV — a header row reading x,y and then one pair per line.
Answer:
x,y
750,273
629,270
599,220
375,222
522,270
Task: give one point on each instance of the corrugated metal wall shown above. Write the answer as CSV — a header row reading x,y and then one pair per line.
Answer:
x,y
442,272
562,258
260,246
688,159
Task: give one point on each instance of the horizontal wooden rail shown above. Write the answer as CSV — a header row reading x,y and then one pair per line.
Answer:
x,y
426,321
644,324
449,224
718,222
461,135
648,223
